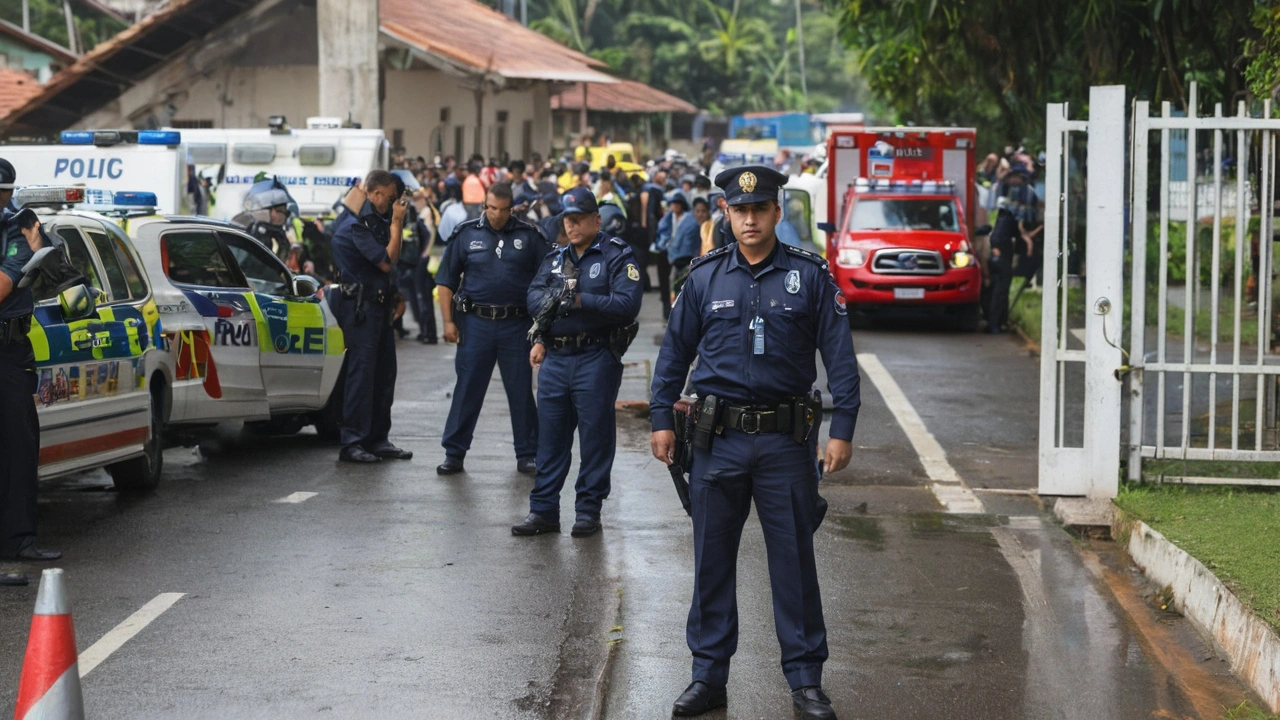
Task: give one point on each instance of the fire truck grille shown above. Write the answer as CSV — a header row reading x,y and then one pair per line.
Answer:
x,y
897,261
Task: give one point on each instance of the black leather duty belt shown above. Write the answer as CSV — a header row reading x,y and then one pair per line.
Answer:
x,y
497,312
13,330
756,419
574,343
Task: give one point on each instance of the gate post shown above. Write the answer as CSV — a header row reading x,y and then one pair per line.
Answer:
x,y
1104,289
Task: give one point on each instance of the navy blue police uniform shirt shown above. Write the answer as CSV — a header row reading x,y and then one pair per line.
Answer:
x,y
14,253
803,312
492,267
360,245
608,283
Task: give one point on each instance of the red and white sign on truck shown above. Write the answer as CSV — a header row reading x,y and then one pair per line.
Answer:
x,y
899,207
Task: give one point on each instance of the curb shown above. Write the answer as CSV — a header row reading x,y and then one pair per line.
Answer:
x,y
1251,645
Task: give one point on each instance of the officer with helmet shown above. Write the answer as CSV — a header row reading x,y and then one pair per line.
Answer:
x,y
266,213
19,424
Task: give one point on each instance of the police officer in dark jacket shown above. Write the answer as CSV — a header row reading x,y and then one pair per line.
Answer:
x,y
483,280
19,424
598,280
366,247
754,312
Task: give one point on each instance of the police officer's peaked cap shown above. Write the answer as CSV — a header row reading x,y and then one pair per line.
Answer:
x,y
8,176
579,200
750,184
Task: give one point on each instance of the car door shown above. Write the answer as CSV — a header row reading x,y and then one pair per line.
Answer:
x,y
198,265
293,330
94,406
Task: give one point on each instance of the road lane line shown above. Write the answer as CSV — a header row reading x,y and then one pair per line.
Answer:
x,y
296,498
947,484
93,656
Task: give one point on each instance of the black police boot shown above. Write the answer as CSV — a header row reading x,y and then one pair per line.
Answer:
x,y
451,466
357,454
526,466
535,524
30,552
13,579
699,698
391,452
812,703
585,525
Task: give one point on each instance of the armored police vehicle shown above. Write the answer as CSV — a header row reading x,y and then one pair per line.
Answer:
x,y
101,389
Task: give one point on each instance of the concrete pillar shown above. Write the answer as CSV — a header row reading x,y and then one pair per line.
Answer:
x,y
348,42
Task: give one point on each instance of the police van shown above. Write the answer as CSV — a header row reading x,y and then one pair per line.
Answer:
x,y
317,164
99,350
109,160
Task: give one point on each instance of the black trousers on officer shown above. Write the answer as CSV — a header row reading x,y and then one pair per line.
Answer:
x,y
781,476
370,375
20,438
998,311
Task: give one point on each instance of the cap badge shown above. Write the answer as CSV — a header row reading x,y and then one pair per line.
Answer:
x,y
747,181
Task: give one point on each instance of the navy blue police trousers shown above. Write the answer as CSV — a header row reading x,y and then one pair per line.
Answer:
x,y
369,372
20,440
781,475
576,391
485,343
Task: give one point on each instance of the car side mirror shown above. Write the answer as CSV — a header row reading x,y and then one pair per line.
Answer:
x,y
305,286
826,227
77,303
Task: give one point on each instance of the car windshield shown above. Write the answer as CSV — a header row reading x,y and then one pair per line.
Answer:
x,y
904,214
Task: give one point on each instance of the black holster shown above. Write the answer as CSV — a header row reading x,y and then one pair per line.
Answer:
x,y
708,422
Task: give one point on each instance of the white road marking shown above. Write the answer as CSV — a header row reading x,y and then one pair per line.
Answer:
x,y
947,485
93,656
296,498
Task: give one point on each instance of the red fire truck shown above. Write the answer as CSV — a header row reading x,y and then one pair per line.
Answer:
x,y
899,206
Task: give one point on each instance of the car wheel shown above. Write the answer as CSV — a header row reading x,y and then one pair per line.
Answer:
x,y
142,474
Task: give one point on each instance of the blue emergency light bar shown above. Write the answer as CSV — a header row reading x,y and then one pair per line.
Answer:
x,y
122,202
107,138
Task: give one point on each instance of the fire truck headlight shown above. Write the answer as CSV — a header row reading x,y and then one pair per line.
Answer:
x,y
961,259
851,258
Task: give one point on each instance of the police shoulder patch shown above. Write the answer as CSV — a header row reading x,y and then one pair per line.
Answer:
x,y
633,272
705,259
812,257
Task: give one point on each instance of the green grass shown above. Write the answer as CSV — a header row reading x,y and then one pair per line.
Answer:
x,y
1248,711
1234,531
1177,319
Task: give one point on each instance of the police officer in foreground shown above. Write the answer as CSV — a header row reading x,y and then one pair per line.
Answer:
x,y
483,282
366,246
592,288
754,312
19,424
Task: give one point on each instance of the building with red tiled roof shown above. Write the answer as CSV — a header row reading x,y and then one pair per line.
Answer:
x,y
455,76
16,87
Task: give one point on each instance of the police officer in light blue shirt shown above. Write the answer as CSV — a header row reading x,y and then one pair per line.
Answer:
x,y
19,423
580,357
483,282
754,313
366,246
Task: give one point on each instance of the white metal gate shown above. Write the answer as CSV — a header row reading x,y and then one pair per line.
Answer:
x,y
1202,372
1204,383
1079,394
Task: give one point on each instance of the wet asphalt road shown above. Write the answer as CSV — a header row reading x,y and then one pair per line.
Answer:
x,y
395,593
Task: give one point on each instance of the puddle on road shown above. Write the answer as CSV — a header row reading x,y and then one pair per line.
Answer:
x,y
859,527
871,531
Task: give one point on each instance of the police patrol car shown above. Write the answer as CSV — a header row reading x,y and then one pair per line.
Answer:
x,y
249,339
98,353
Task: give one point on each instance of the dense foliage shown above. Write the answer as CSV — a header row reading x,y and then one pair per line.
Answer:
x,y
725,56
49,22
996,63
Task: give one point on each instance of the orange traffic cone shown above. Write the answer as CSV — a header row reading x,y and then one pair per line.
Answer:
x,y
50,685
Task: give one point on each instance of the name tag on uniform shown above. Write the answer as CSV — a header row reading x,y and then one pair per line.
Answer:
x,y
476,245
720,304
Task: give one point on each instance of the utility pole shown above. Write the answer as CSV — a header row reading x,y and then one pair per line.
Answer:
x,y
349,70
804,84
26,15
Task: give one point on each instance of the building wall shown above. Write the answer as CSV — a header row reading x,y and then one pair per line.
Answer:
x,y
239,97
412,112
17,56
